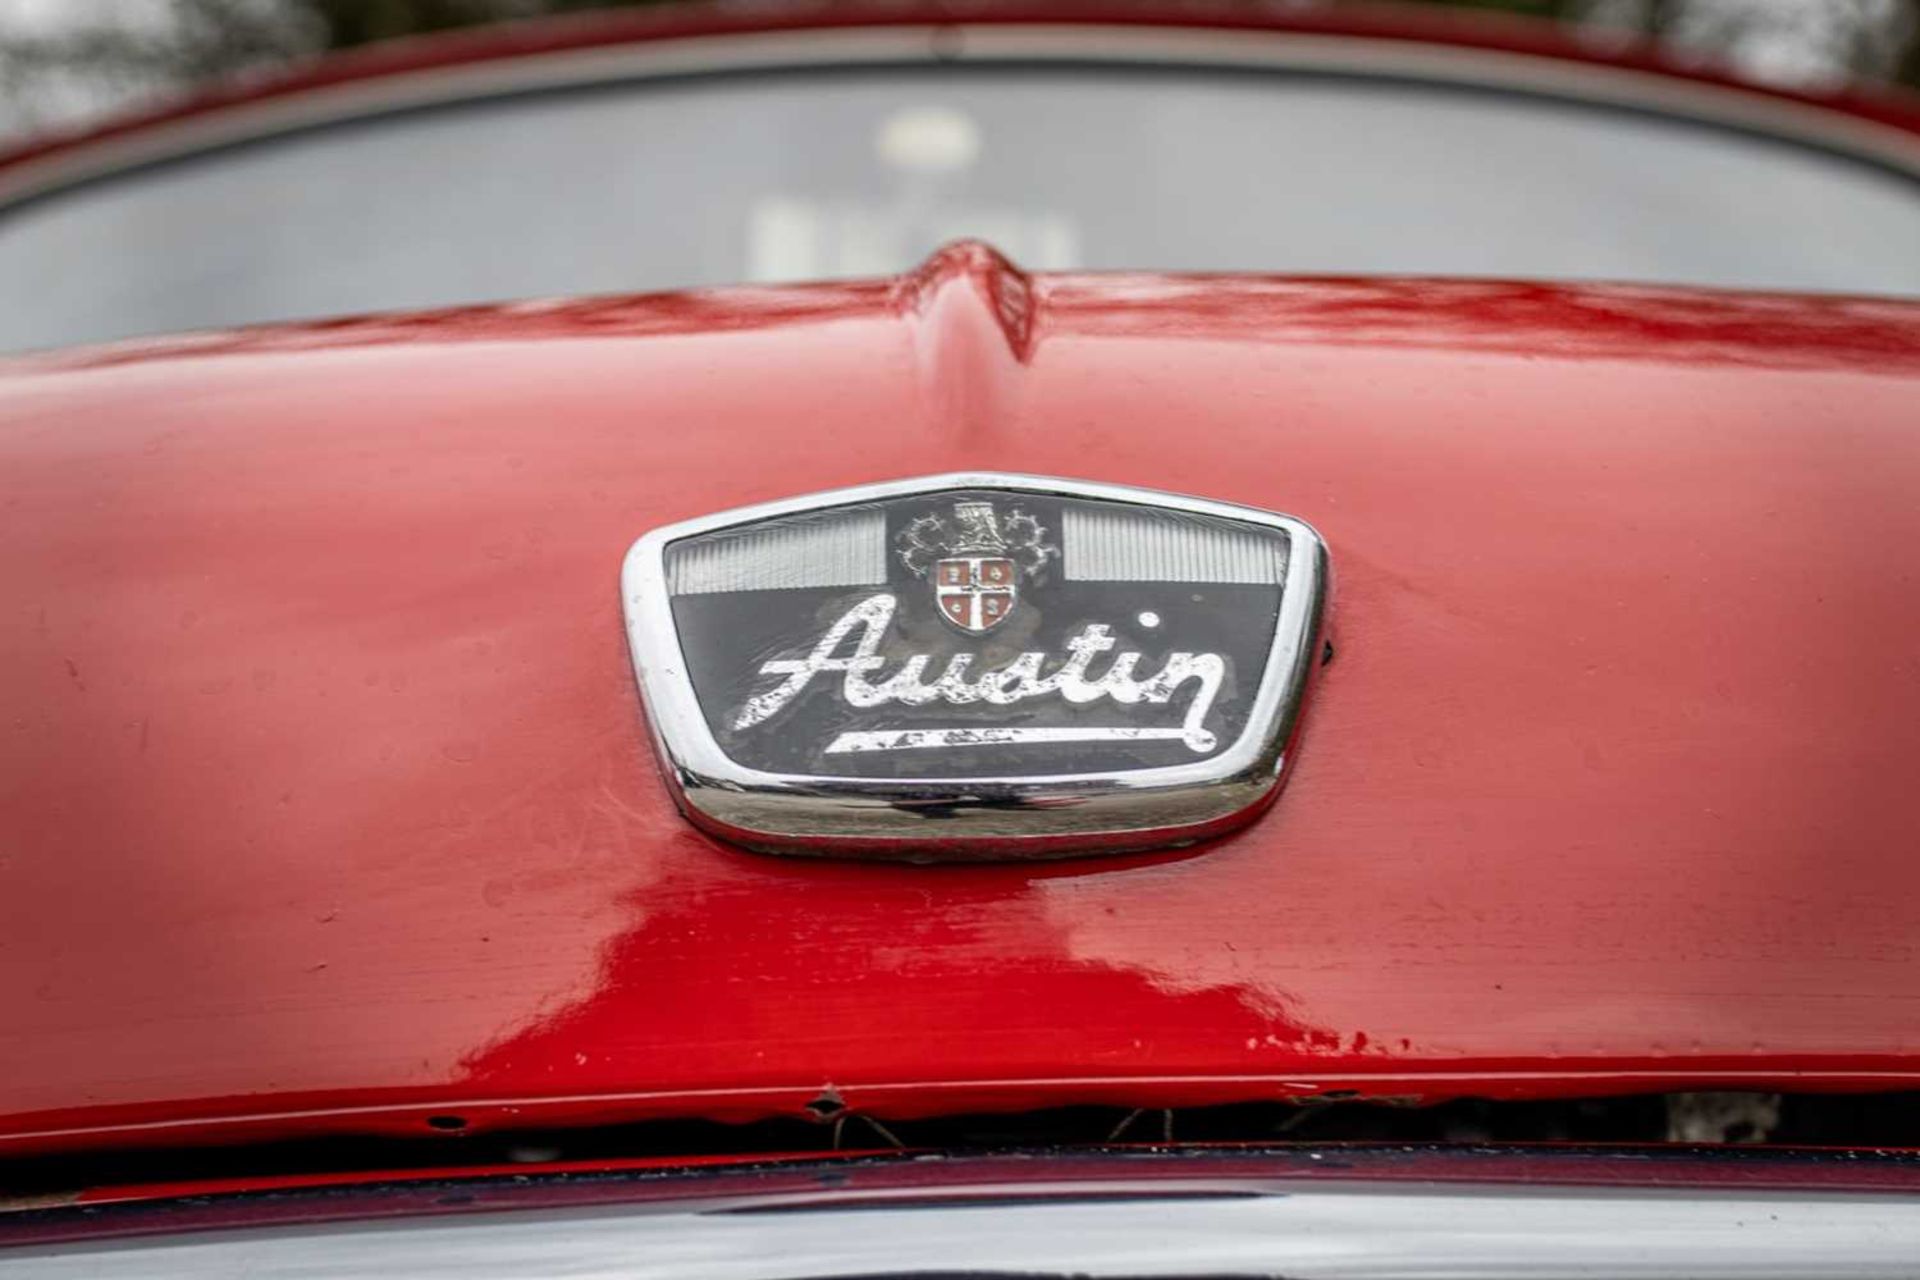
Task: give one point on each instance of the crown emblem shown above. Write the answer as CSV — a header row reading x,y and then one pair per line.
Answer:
x,y
975,558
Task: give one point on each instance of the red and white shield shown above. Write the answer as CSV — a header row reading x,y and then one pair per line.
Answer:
x,y
976,593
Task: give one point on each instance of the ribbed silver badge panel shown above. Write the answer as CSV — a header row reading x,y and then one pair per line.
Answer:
x,y
838,551
1128,546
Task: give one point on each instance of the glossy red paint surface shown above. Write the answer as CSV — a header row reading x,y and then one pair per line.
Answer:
x,y
328,804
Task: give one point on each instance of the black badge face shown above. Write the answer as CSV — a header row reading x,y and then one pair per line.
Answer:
x,y
978,634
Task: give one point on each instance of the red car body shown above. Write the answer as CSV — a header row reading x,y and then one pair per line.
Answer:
x,y
329,807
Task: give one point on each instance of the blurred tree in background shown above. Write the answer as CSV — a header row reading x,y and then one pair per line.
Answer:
x,y
63,59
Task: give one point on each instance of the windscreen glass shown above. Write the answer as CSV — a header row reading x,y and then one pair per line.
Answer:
x,y
831,174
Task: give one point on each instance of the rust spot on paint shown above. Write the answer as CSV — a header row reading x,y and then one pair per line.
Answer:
x,y
828,1105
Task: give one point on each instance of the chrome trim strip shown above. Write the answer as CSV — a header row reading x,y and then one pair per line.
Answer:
x,y
1754,110
1139,1226
1033,816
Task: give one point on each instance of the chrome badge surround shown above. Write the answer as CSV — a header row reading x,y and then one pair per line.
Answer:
x,y
932,818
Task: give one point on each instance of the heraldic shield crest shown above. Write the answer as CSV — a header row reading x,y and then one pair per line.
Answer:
x,y
975,556
975,666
